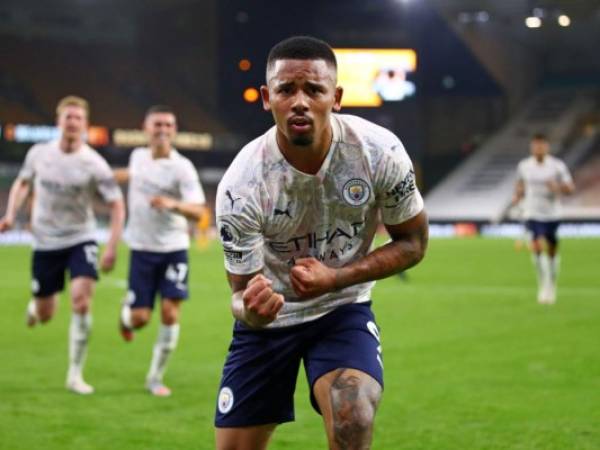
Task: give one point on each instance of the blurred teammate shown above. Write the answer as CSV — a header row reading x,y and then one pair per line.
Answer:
x,y
297,213
66,175
541,181
164,192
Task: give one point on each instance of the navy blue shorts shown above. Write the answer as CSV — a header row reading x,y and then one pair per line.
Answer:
x,y
48,267
547,230
259,377
152,272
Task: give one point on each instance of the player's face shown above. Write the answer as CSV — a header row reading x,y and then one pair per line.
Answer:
x,y
301,94
539,148
72,121
160,129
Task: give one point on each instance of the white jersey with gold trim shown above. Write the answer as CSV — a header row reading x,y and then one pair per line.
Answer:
x,y
269,213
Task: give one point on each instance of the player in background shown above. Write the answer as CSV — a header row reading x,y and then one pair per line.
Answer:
x,y
164,193
65,176
297,213
542,180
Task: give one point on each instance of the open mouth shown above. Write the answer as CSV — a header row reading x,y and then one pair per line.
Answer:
x,y
300,124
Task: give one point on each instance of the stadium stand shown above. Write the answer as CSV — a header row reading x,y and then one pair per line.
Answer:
x,y
119,84
481,187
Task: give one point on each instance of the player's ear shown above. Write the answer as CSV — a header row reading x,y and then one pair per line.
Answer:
x,y
175,128
339,92
264,93
145,123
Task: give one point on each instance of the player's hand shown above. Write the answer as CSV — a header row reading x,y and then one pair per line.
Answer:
x,y
108,259
553,186
6,223
261,304
162,202
311,278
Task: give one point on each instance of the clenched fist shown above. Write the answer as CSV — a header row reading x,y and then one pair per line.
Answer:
x,y
261,304
311,278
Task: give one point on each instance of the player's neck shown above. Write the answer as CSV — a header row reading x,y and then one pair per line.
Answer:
x,y
70,145
160,152
306,158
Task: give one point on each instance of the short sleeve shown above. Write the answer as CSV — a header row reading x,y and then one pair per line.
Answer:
x,y
239,224
189,185
106,184
396,188
27,171
563,173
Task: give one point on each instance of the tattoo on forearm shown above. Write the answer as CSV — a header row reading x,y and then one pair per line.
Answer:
x,y
403,252
414,247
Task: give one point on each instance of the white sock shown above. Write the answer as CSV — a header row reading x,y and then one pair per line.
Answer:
x,y
126,315
79,331
542,265
32,309
166,342
554,264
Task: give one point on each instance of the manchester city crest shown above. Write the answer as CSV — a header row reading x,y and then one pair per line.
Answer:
x,y
225,401
356,192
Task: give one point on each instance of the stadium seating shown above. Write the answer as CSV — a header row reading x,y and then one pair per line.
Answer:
x,y
119,83
481,187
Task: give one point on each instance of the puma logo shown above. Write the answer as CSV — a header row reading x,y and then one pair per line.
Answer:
x,y
283,212
231,199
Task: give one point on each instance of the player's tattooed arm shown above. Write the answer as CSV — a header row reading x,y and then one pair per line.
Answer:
x,y
311,278
253,301
409,242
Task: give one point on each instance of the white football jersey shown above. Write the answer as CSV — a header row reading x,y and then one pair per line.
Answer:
x,y
148,228
64,186
269,213
540,203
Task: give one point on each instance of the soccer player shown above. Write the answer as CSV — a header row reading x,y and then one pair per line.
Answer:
x,y
297,212
164,193
541,181
65,176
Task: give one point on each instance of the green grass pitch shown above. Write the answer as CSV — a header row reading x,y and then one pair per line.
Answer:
x,y
472,362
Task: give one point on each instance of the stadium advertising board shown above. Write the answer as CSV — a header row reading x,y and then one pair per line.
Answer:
x,y
371,77
98,136
184,140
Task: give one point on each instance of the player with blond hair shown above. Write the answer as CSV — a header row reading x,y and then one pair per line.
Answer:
x,y
65,176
